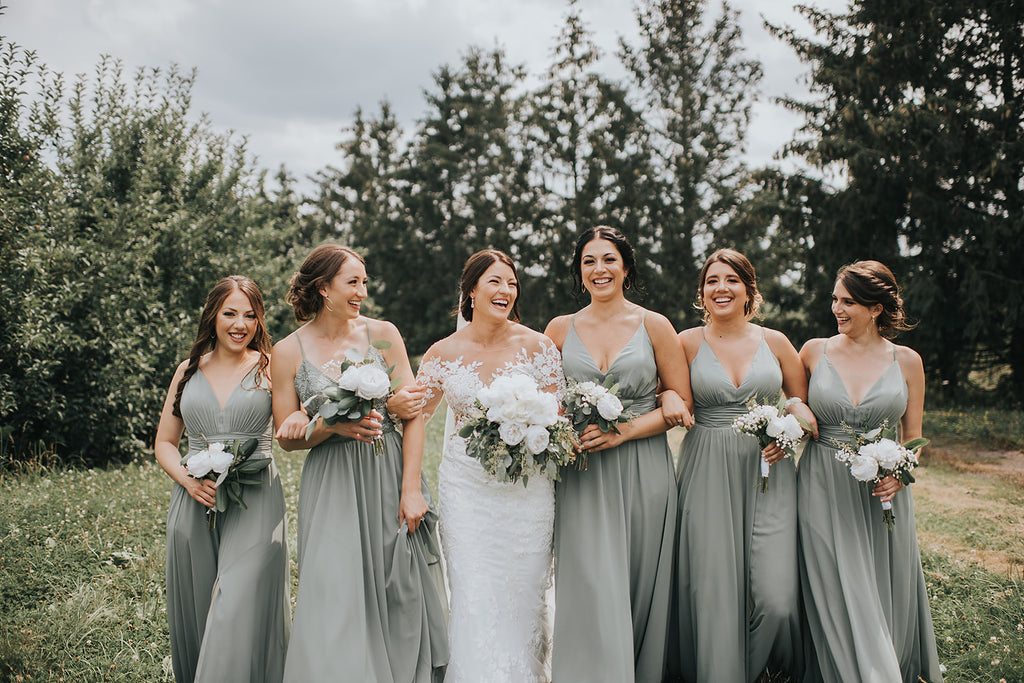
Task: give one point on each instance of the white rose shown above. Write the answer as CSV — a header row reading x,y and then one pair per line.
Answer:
x,y
887,453
537,438
864,468
609,407
512,433
787,427
220,459
349,379
372,383
199,464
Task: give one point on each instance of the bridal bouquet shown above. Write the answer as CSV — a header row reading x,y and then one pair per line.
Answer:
x,y
875,455
518,431
768,423
230,466
588,403
351,398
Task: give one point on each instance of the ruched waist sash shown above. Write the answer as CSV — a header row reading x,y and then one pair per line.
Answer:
x,y
829,434
718,417
263,450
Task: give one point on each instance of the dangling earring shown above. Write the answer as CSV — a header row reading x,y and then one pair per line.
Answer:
x,y
327,303
628,285
472,303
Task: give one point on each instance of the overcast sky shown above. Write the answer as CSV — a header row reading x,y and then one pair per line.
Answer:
x,y
290,74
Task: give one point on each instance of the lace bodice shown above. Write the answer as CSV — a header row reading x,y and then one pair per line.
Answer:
x,y
311,380
460,382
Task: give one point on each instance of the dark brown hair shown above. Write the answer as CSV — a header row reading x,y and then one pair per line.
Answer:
x,y
744,269
475,267
319,268
870,283
206,336
625,249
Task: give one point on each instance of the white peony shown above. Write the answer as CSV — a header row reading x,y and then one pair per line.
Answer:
x,y
609,407
786,426
372,383
886,452
542,409
349,379
537,439
220,459
199,464
512,433
864,468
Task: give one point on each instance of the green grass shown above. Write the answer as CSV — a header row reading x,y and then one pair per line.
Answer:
x,y
993,428
82,566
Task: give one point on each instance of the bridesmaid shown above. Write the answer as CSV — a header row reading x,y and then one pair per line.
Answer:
x,y
615,522
227,588
369,571
737,590
863,588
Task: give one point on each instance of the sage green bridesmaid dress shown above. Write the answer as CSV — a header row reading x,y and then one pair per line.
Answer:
x,y
737,588
227,588
371,603
614,539
863,588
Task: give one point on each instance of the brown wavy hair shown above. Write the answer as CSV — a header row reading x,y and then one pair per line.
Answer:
x,y
475,267
870,283
319,268
748,276
206,336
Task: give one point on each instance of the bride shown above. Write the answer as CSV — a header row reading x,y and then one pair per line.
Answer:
x,y
496,536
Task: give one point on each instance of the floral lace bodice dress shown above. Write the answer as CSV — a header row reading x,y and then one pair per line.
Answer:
x,y
496,539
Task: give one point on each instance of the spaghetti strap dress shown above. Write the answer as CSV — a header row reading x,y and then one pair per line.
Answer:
x,y
614,538
370,604
737,590
863,588
227,588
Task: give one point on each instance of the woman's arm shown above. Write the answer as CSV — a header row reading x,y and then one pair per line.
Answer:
x,y
168,439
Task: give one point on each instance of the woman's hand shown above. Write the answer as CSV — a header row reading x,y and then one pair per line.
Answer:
x,y
772,453
293,427
674,410
593,439
202,491
411,508
887,488
366,429
407,403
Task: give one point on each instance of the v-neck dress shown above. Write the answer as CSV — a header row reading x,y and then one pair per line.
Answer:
x,y
370,604
863,589
227,588
736,596
614,536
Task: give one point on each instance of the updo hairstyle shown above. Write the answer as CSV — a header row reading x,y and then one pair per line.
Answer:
x,y
744,269
319,268
870,283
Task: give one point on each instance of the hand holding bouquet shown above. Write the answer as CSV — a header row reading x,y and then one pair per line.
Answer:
x,y
352,397
588,403
518,431
875,455
770,423
230,466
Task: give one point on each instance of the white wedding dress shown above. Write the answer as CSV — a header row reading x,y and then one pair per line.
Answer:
x,y
496,538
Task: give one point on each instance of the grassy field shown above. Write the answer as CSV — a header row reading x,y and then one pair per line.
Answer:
x,y
82,558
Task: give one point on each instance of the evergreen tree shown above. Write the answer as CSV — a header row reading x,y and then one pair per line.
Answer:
x,y
919,109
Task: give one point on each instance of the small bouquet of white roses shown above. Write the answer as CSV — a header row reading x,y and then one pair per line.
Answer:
x,y
876,454
351,398
518,431
231,467
769,422
588,403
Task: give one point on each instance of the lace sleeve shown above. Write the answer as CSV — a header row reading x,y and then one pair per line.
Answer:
x,y
547,368
430,377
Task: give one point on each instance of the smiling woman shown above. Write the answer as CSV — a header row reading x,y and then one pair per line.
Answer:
x,y
220,395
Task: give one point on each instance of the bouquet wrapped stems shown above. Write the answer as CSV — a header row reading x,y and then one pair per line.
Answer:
x,y
231,468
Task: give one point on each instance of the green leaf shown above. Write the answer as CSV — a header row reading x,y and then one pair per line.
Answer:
x,y
917,444
381,344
